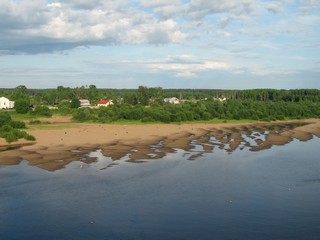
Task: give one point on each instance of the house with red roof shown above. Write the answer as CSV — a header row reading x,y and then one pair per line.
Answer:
x,y
104,103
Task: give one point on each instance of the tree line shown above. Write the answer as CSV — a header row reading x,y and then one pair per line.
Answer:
x,y
146,104
206,110
143,94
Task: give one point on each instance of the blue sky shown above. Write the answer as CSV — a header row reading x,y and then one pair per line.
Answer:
x,y
234,44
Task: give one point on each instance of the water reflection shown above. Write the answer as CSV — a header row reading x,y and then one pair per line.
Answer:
x,y
227,139
239,195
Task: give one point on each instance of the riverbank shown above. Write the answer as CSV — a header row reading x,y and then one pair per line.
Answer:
x,y
63,141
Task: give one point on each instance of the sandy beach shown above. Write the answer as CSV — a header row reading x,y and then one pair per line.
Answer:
x,y
63,141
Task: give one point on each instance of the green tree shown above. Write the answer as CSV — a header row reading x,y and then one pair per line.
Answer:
x,y
143,95
22,105
20,92
51,97
75,103
93,93
64,93
64,108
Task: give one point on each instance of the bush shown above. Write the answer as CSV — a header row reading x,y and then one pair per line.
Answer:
x,y
9,129
19,133
6,128
22,106
10,136
5,118
105,119
83,114
18,124
30,137
64,110
147,119
42,111
34,122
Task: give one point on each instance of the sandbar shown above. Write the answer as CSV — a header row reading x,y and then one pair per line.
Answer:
x,y
63,141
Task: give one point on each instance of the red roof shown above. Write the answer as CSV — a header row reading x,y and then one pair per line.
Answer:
x,y
103,102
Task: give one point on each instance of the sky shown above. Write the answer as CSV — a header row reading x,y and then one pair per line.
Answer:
x,y
212,44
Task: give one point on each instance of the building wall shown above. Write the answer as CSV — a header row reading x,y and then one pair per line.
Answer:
x,y
6,103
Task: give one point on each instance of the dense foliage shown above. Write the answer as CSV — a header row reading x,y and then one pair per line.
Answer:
x,y
204,110
10,130
42,111
142,94
22,105
147,105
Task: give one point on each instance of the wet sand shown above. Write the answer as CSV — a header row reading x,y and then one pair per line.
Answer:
x,y
62,141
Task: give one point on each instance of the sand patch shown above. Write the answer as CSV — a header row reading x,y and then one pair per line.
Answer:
x,y
55,148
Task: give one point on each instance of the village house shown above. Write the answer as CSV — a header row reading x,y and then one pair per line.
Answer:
x,y
172,100
221,99
5,103
84,103
104,103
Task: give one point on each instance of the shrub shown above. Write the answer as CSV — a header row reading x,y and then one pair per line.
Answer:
x,y
42,111
83,114
147,119
34,122
10,136
18,124
29,137
5,118
64,110
21,106
10,131
6,128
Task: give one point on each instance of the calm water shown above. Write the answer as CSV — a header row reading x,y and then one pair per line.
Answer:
x,y
271,194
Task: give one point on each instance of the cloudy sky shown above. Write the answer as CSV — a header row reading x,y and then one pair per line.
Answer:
x,y
228,44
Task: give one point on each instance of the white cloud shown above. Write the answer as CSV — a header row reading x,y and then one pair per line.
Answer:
x,y
274,7
70,24
157,3
47,26
186,74
155,33
226,20
185,66
310,3
202,8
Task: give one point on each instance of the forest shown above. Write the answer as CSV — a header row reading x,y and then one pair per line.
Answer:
x,y
146,104
135,96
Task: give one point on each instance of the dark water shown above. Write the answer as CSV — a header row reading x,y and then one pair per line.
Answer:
x,y
271,194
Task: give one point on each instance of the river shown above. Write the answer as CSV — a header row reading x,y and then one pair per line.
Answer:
x,y
268,194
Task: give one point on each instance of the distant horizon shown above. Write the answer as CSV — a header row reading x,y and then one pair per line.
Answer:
x,y
192,44
223,89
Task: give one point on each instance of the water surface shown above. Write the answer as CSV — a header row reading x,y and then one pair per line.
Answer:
x,y
270,194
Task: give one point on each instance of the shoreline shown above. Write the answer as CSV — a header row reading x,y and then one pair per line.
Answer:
x,y
57,146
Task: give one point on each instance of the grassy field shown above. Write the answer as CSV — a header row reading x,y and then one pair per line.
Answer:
x,y
49,127
22,117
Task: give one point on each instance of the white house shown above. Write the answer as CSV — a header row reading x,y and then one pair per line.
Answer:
x,y
84,103
6,103
221,99
172,100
